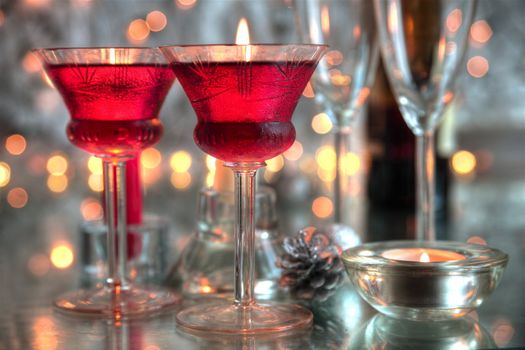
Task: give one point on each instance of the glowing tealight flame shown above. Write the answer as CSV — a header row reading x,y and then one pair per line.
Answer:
x,y
62,256
424,257
243,38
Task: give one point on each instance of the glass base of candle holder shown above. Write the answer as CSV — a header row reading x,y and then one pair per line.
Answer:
x,y
127,303
425,291
227,318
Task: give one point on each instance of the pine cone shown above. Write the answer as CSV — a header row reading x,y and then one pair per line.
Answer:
x,y
312,268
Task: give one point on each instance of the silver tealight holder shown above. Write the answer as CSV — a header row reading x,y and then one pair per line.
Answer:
x,y
424,280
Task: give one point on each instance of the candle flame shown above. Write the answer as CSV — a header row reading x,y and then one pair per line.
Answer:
x,y
243,38
424,257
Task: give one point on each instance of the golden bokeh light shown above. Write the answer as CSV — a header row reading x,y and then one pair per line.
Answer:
x,y
326,175
454,20
350,164
478,66
62,256
45,333
5,174
185,4
91,209
463,162
334,57
308,91
31,63
150,158
294,152
38,265
57,165
57,183
322,207
15,144
275,164
180,161
96,183
138,31
17,197
181,181
480,31
325,157
210,178
95,165
308,165
156,21
321,123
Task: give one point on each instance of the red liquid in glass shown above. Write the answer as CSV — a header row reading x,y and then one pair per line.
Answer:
x,y
114,107
244,109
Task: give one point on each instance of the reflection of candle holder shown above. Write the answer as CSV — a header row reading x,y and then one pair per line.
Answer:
x,y
386,333
454,279
148,251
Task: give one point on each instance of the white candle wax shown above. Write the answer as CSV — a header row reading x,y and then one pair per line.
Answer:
x,y
422,255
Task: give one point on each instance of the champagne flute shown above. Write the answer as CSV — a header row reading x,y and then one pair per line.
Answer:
x,y
113,96
342,82
422,44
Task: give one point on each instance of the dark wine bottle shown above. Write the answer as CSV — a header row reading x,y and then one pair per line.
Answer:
x,y
391,181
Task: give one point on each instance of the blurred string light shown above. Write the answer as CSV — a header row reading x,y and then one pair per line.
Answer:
x,y
36,3
275,164
31,63
95,165
181,180
308,91
5,174
322,207
156,21
61,255
138,31
150,158
185,4
325,157
15,144
57,165
91,209
321,123
463,162
57,183
480,32
180,161
17,197
454,20
502,332
294,152
478,66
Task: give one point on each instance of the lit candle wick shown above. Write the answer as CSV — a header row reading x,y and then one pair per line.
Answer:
x,y
243,38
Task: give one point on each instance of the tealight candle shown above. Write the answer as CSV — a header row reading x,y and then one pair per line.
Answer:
x,y
422,255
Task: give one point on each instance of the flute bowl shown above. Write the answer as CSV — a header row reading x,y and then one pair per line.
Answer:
x,y
425,290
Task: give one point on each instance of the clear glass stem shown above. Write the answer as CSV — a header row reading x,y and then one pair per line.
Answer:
x,y
244,231
425,186
115,214
341,197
